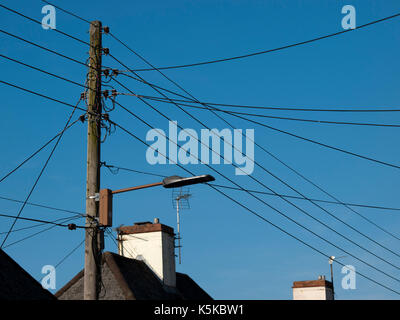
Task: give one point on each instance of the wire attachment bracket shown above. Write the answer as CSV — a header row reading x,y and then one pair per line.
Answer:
x,y
96,197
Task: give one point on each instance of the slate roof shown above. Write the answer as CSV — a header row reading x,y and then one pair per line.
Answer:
x,y
130,279
17,284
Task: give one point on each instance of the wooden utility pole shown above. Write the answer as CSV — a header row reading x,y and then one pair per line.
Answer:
x,y
93,237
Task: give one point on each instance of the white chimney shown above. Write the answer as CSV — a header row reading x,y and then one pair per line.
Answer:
x,y
320,289
154,244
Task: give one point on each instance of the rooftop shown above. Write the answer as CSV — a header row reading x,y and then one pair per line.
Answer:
x,y
17,284
130,279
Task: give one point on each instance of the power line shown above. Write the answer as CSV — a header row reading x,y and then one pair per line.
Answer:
x,y
111,167
121,72
48,50
319,188
111,236
296,238
312,120
44,71
262,148
270,50
68,12
366,219
236,57
297,173
292,204
286,200
337,202
192,101
47,72
36,152
43,48
282,131
45,230
42,95
329,194
146,61
41,224
303,211
41,172
263,218
250,176
308,199
69,254
44,206
39,22
117,168
38,220
329,213
297,207
318,143
278,118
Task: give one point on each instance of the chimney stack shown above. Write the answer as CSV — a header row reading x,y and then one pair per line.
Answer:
x,y
154,244
320,289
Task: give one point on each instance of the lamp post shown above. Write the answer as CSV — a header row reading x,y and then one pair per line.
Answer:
x,y
331,260
106,195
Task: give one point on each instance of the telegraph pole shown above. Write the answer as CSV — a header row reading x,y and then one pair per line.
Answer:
x,y
93,237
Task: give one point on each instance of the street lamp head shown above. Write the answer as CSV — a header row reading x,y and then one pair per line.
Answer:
x,y
176,181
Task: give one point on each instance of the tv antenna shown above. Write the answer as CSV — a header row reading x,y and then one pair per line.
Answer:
x,y
180,201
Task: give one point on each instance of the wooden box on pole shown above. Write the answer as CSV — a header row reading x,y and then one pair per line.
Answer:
x,y
105,211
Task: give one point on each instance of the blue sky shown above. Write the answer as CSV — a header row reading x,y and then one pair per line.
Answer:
x,y
229,252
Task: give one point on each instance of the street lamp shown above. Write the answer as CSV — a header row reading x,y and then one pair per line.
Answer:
x,y
106,195
331,259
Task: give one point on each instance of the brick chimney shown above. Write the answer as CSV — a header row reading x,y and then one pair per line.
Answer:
x,y
320,289
154,244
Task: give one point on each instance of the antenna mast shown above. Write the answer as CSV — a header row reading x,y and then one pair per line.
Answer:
x,y
180,201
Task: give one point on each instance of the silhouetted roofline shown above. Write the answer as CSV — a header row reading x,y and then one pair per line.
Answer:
x,y
189,289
